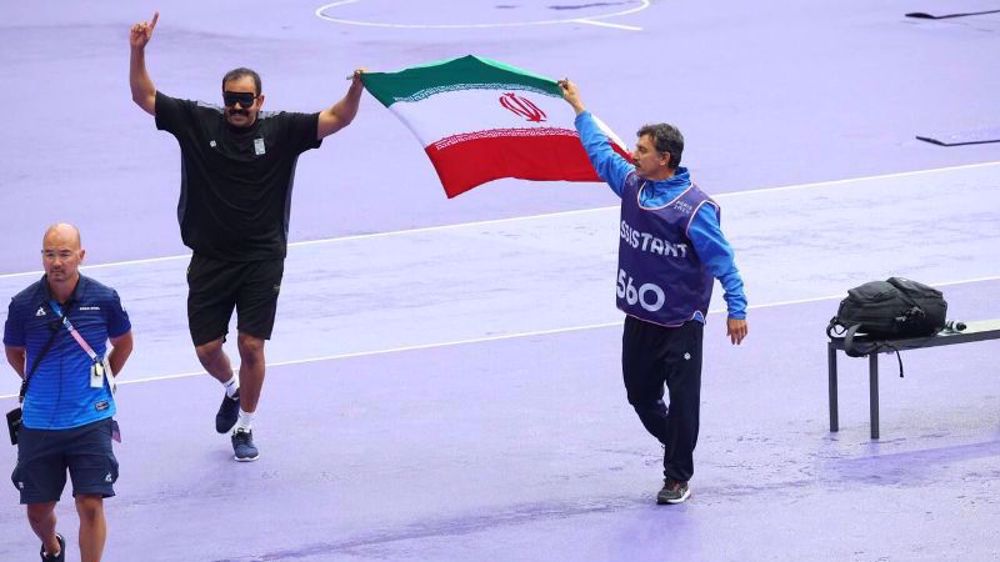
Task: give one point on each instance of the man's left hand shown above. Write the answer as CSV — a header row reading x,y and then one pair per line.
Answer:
x,y
736,329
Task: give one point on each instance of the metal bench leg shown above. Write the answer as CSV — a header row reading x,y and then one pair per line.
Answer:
x,y
831,353
873,391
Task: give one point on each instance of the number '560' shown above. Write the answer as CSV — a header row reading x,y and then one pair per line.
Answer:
x,y
649,295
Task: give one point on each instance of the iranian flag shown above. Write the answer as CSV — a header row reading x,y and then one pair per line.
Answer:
x,y
480,120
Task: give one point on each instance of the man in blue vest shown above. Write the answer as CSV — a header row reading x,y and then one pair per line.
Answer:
x,y
55,339
671,247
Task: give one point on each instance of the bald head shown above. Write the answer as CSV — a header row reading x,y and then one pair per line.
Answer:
x,y
62,233
61,256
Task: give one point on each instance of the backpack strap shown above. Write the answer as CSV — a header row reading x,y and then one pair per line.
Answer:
x,y
834,329
837,330
849,347
898,358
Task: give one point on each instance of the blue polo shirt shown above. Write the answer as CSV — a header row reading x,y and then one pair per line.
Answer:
x,y
59,394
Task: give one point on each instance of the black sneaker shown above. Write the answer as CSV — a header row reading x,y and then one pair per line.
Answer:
x,y
225,419
674,491
61,557
243,445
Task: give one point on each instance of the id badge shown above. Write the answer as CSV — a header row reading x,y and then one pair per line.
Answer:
x,y
97,375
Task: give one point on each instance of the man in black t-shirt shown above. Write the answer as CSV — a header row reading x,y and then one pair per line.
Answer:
x,y
237,170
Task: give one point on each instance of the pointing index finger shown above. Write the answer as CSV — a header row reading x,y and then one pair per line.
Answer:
x,y
156,17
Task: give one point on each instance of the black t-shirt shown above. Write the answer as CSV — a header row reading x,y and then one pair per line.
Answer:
x,y
236,185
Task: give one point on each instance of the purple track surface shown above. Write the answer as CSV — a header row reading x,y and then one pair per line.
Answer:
x,y
454,393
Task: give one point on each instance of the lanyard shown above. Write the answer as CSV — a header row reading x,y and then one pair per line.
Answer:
x,y
100,369
72,331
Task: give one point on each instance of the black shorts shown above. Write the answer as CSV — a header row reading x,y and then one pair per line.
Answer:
x,y
215,287
43,456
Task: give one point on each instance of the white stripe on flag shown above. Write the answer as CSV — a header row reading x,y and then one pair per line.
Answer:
x,y
467,111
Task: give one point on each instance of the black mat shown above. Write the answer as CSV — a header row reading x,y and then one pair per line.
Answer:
x,y
926,16
960,138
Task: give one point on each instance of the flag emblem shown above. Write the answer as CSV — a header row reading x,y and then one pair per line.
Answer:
x,y
522,106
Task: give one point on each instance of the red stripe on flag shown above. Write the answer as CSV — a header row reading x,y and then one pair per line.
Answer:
x,y
622,151
464,165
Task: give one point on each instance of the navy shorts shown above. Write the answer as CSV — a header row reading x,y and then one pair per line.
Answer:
x,y
216,287
43,457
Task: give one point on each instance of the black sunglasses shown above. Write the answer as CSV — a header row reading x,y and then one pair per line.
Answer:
x,y
245,99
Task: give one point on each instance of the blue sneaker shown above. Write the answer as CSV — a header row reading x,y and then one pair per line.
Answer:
x,y
225,419
243,445
61,557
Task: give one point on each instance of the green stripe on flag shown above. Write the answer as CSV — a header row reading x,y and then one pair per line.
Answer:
x,y
465,73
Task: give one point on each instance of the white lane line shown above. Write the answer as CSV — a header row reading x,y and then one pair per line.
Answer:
x,y
642,6
829,183
606,24
570,329
321,13
444,227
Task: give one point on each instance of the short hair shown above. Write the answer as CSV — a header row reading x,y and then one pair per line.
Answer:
x,y
666,138
237,73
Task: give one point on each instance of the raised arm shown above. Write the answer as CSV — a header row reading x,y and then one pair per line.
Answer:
x,y
143,90
608,164
340,114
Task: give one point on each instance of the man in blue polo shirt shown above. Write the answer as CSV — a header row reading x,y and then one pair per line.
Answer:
x,y
671,247
56,338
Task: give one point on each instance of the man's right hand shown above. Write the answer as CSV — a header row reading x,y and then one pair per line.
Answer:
x,y
142,32
143,90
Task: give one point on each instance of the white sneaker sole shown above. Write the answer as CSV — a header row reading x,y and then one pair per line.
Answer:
x,y
675,501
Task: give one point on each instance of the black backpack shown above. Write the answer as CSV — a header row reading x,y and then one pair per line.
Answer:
x,y
892,309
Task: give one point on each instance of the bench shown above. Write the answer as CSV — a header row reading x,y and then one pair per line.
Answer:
x,y
974,331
